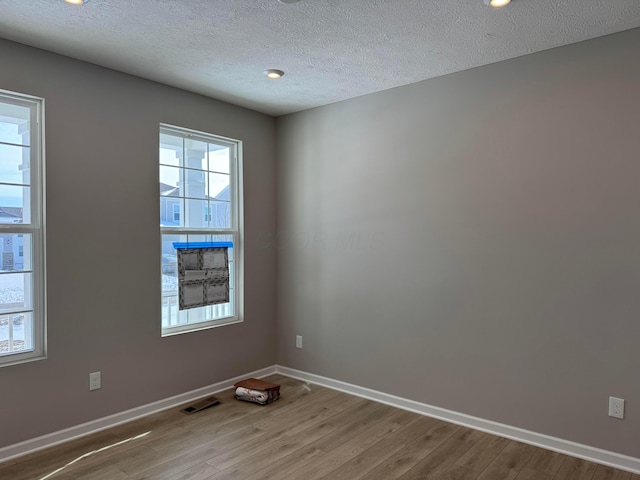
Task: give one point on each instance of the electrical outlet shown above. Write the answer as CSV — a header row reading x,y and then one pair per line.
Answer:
x,y
95,381
616,407
298,341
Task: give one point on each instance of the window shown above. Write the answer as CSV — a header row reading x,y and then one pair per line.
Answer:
x,y
200,175
22,287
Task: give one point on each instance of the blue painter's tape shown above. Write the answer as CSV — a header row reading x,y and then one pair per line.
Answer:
x,y
182,245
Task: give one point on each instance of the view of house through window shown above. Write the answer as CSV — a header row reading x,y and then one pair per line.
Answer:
x,y
199,204
22,307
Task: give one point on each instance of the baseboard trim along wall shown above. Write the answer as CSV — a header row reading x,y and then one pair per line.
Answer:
x,y
55,438
573,449
592,454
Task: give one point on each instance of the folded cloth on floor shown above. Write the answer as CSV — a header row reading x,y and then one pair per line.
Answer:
x,y
257,391
257,396
251,395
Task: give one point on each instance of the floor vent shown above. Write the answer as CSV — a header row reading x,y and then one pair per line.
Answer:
x,y
201,405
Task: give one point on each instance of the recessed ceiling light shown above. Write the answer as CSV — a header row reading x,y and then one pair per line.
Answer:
x,y
273,73
497,3
76,2
288,1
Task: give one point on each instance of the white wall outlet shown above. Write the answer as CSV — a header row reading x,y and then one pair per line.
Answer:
x,y
298,341
616,407
95,380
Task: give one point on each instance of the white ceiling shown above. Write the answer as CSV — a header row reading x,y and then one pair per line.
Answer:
x,y
331,50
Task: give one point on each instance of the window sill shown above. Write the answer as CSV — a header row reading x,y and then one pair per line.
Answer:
x,y
19,358
196,327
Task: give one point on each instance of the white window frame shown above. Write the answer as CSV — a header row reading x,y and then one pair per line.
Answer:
x,y
236,230
35,228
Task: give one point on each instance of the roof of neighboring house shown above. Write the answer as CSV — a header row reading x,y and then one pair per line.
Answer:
x,y
169,191
11,212
224,194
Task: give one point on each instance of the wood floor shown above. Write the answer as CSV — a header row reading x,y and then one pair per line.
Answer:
x,y
305,435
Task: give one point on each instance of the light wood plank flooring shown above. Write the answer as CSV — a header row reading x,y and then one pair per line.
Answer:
x,y
305,435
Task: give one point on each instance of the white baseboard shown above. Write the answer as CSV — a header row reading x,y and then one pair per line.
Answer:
x,y
55,438
592,454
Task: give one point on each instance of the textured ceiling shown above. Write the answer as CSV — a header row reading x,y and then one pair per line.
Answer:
x,y
331,50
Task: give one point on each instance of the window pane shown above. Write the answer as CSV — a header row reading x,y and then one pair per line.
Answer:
x,y
14,124
170,180
14,204
16,333
195,182
195,154
171,212
170,263
170,310
195,213
15,292
170,150
218,158
15,249
169,267
218,186
14,164
220,214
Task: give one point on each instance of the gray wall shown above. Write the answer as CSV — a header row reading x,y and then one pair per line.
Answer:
x,y
473,241
103,247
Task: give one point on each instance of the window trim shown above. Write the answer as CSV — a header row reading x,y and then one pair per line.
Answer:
x,y
236,230
36,227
